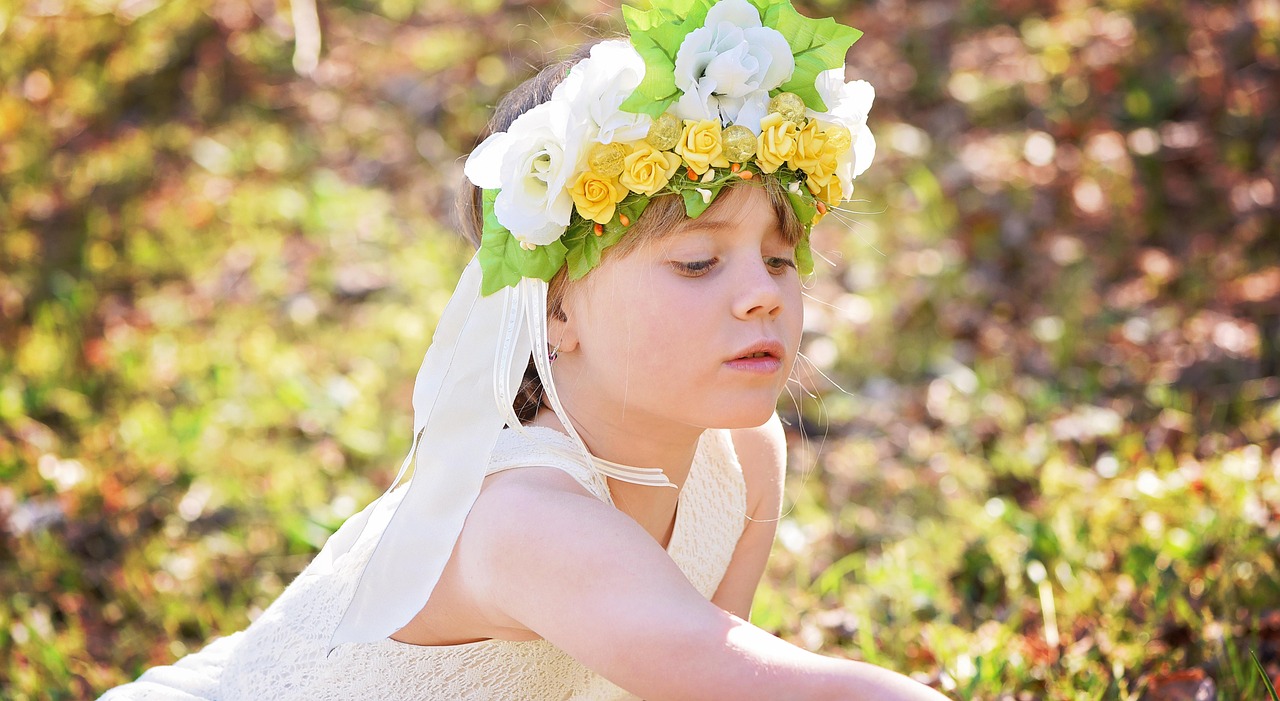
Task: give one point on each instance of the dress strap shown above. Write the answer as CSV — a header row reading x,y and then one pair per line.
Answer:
x,y
536,446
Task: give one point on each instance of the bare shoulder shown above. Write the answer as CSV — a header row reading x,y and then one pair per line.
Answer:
x,y
541,553
511,515
530,503
537,517
762,452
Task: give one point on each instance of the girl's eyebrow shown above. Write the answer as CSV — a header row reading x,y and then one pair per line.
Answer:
x,y
711,225
714,227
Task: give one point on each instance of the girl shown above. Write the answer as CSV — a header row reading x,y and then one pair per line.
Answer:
x,y
597,463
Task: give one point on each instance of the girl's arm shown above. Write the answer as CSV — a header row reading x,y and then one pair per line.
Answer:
x,y
541,553
762,452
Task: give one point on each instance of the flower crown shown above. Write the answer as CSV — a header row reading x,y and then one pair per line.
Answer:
x,y
705,93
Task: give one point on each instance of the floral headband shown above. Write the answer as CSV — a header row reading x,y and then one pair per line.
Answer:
x,y
705,93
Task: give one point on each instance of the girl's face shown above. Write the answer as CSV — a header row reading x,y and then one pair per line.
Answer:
x,y
699,327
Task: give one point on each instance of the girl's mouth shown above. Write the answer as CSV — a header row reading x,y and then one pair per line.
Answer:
x,y
763,358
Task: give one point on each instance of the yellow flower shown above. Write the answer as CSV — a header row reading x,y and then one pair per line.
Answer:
x,y
810,145
828,192
596,196
824,172
700,145
646,169
776,143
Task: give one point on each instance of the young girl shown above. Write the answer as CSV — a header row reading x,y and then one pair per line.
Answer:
x,y
597,463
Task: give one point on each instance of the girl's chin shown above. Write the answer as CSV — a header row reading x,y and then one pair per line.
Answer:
x,y
745,416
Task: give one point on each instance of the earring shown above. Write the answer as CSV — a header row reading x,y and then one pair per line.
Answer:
x,y
555,353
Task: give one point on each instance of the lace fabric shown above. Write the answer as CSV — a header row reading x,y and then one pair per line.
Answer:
x,y
282,654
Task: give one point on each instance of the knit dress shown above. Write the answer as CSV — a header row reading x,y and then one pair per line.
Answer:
x,y
282,655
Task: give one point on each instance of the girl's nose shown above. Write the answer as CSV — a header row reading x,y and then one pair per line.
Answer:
x,y
758,295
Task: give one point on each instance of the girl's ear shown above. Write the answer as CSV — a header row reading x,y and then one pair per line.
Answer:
x,y
562,328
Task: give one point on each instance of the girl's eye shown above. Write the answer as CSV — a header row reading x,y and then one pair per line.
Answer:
x,y
778,265
695,268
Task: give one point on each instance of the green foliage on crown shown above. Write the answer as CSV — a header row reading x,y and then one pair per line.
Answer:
x,y
504,261
657,33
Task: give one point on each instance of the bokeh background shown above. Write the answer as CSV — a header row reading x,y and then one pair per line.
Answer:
x,y
1037,452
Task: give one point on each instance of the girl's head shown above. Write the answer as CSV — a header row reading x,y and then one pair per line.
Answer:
x,y
696,326
662,230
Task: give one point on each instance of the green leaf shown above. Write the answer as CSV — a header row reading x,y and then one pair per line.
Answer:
x,y
632,206
585,248
817,45
802,202
656,35
806,208
763,6
804,253
1266,678
678,8
694,205
503,262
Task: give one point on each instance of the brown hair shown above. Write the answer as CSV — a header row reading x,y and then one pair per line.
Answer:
x,y
662,215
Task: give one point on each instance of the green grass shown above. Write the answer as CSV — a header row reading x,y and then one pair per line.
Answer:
x,y
1266,678
1050,467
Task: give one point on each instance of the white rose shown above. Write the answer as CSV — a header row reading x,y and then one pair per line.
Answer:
x,y
597,86
531,164
848,105
727,67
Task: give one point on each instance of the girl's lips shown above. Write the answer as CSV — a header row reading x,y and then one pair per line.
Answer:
x,y
764,357
764,349
763,365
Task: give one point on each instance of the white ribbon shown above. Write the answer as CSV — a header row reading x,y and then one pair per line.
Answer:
x,y
480,343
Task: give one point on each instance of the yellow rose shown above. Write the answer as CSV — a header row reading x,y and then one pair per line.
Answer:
x,y
810,146
596,196
700,145
828,192
646,169
776,143
823,171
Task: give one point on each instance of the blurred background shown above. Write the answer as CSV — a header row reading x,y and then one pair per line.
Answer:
x,y
1035,454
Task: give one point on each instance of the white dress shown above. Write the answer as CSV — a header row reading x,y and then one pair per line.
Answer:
x,y
281,656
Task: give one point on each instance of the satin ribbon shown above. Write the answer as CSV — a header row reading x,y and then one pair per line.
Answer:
x,y
481,343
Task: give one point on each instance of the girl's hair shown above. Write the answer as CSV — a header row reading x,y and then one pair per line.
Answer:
x,y
662,215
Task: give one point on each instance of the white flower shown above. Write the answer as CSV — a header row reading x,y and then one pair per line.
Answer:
x,y
727,67
847,105
531,164
597,85
706,194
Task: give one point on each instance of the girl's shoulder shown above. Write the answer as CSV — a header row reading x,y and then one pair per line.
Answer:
x,y
762,455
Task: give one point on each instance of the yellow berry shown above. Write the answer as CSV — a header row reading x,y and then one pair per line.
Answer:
x,y
665,132
789,105
607,159
739,143
838,139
